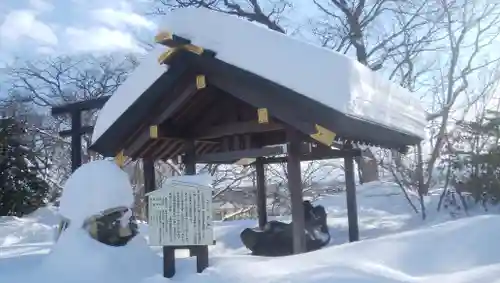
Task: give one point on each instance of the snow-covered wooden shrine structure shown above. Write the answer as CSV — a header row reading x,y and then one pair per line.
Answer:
x,y
220,89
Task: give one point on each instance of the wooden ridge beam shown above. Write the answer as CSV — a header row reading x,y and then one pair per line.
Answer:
x,y
172,41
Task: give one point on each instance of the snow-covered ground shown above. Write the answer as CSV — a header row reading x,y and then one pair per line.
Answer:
x,y
397,247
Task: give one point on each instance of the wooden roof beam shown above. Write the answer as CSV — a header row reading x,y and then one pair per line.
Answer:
x,y
136,147
238,128
171,106
184,92
240,154
317,153
309,153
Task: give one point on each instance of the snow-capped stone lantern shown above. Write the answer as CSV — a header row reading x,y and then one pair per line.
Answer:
x,y
100,236
97,198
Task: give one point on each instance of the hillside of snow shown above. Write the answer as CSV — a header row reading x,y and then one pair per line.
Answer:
x,y
397,247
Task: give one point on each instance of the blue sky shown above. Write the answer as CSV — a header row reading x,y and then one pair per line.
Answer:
x,y
48,27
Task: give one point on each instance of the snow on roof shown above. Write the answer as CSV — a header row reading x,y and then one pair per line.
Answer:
x,y
328,77
136,84
321,74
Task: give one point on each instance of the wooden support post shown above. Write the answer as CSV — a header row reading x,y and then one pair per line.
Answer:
x,y
168,262
190,158
190,169
76,140
295,187
352,208
422,190
148,168
201,252
261,192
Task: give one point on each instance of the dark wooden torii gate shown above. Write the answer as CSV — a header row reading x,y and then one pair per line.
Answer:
x,y
77,130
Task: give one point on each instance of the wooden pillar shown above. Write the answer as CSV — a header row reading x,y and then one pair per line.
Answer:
x,y
190,169
422,190
201,252
168,262
350,185
76,140
148,169
295,187
261,192
190,158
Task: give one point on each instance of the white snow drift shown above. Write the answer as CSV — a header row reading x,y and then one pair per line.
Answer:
x,y
90,190
460,251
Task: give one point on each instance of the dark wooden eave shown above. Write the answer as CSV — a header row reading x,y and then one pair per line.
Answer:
x,y
170,103
112,140
296,109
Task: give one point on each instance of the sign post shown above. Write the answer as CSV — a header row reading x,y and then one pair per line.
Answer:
x,y
180,217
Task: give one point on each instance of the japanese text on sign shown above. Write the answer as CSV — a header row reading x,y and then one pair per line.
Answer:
x,y
181,215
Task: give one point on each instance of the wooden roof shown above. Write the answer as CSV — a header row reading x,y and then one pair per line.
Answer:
x,y
204,99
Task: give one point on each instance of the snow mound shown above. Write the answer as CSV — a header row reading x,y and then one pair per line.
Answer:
x,y
443,253
79,257
440,249
93,188
459,251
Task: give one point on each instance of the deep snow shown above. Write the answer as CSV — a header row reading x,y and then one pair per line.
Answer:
x,y
398,247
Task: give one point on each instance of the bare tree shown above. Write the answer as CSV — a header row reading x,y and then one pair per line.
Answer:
x,y
384,35
470,71
267,13
465,140
255,10
42,84
466,73
318,179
